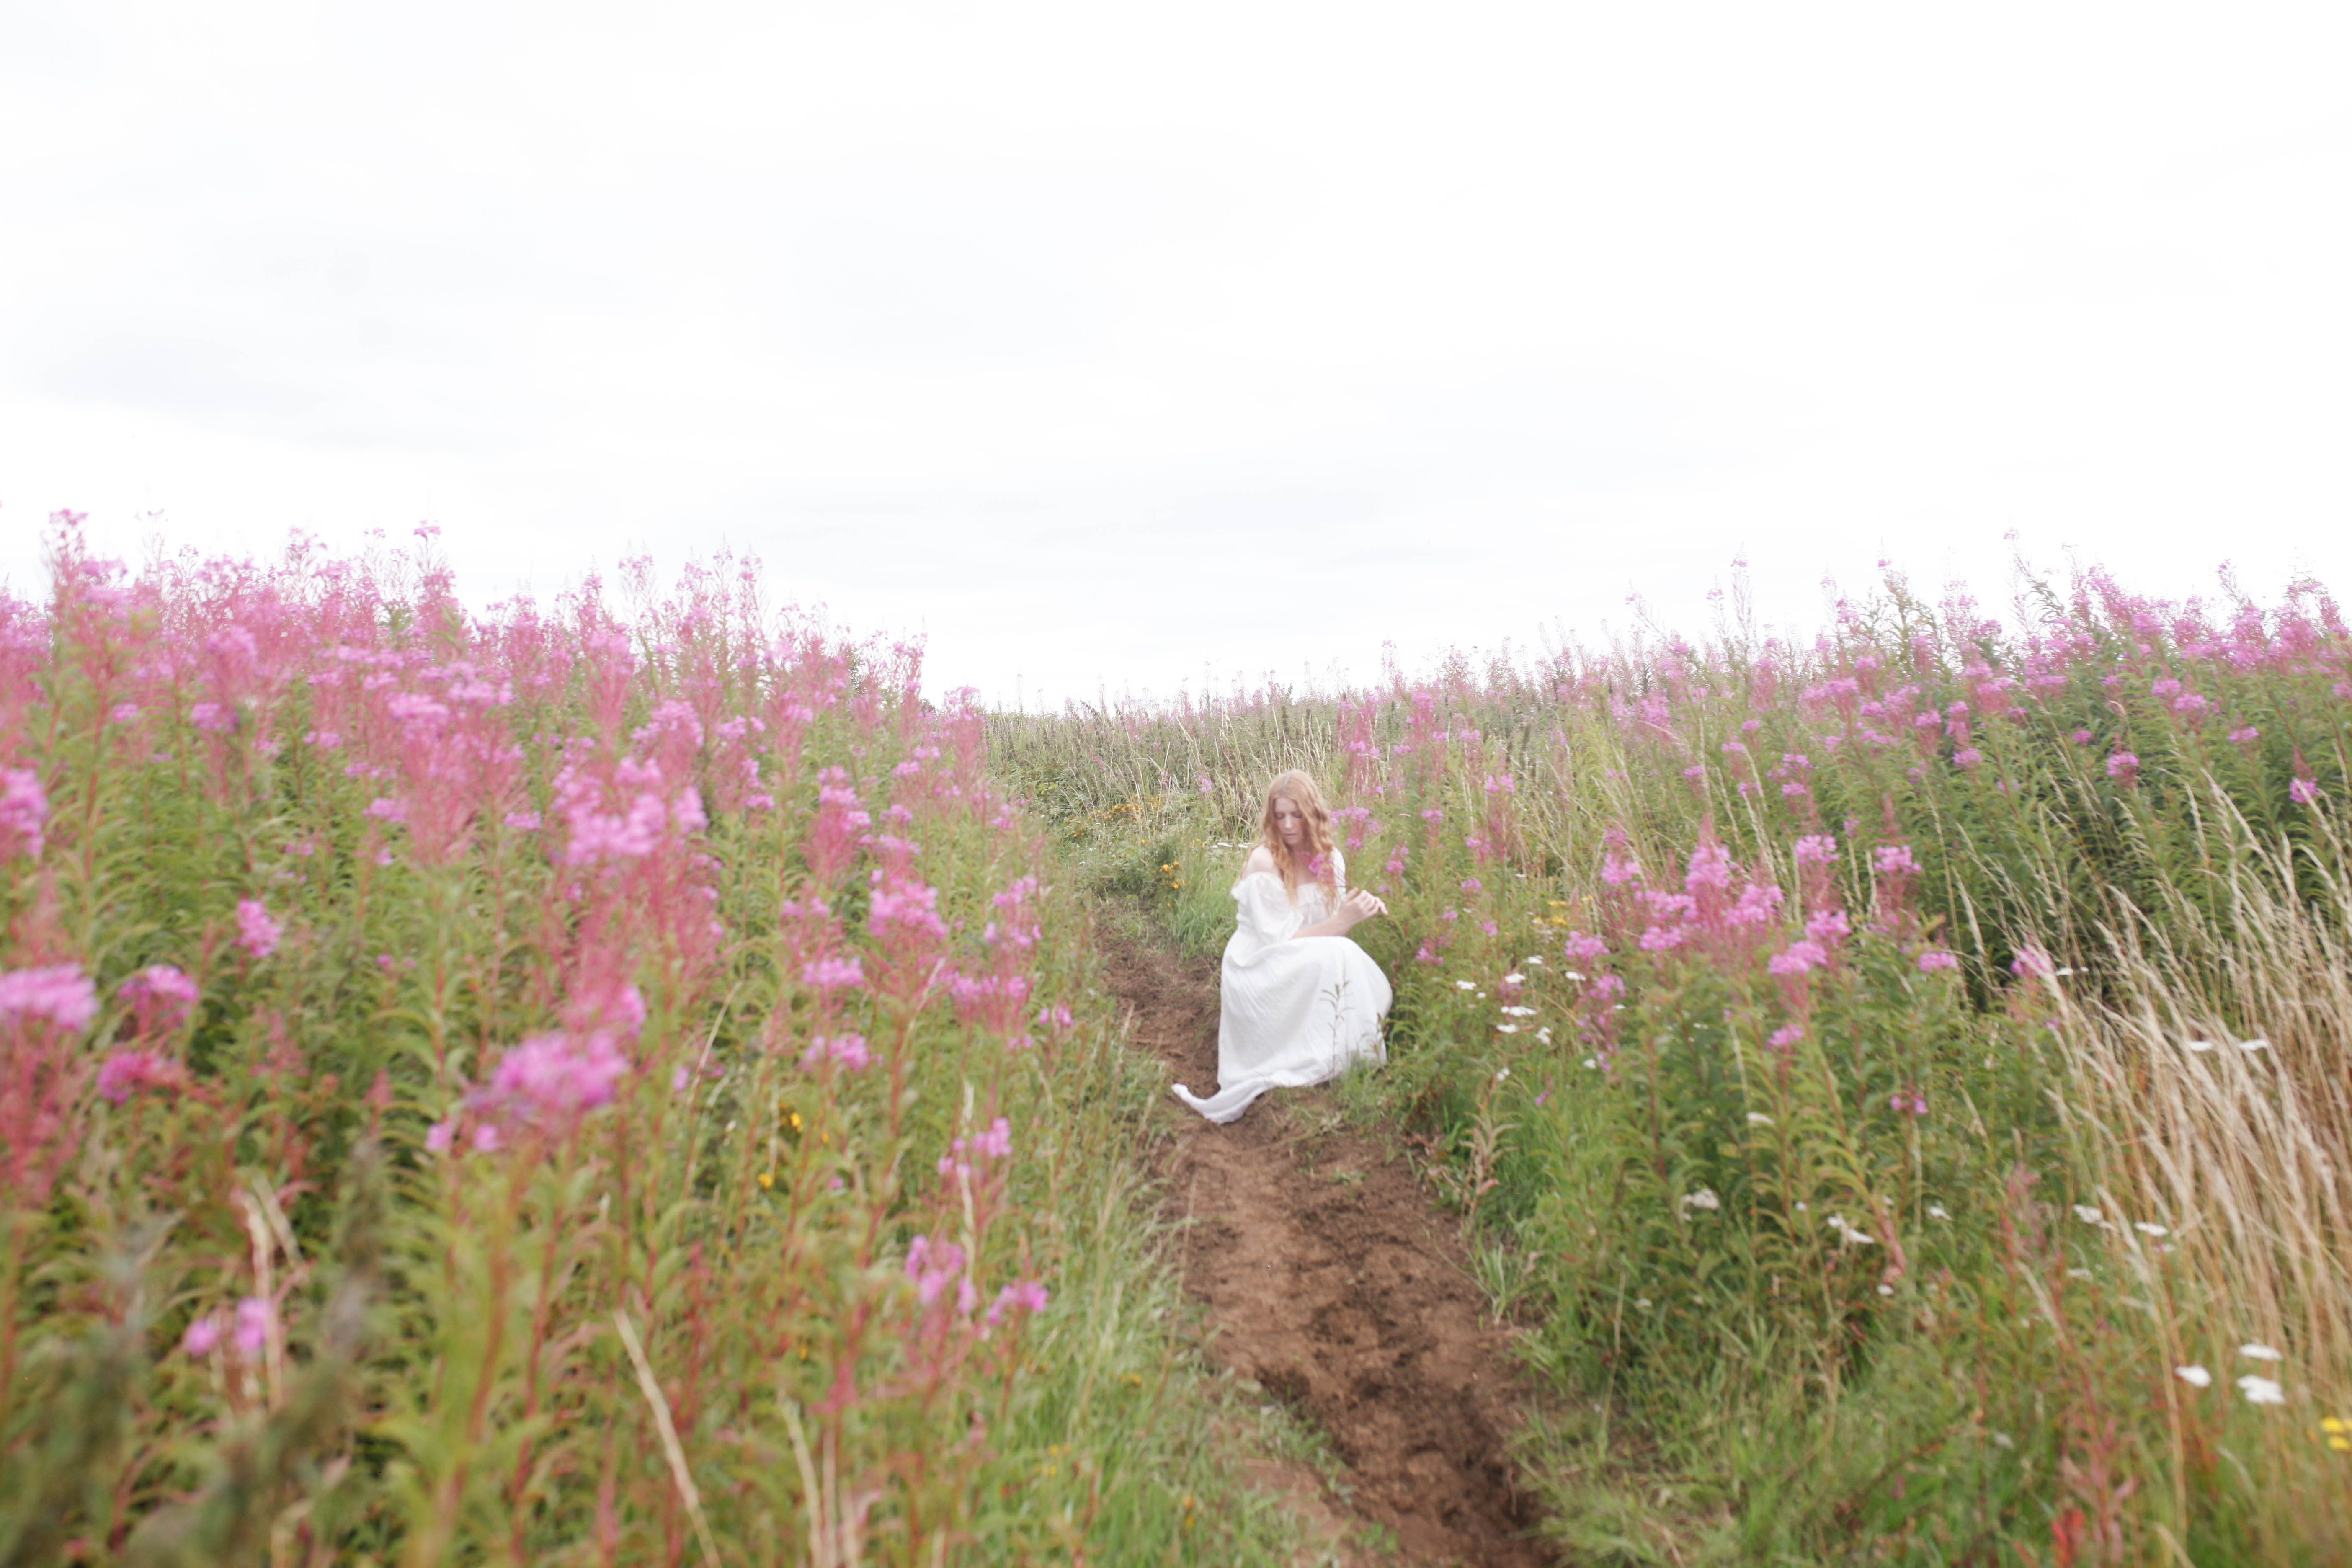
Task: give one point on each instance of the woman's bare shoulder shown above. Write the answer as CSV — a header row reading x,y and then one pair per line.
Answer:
x,y
1260,860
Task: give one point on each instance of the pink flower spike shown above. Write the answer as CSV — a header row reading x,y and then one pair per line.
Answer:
x,y
257,932
1936,958
2303,792
24,813
57,992
126,1071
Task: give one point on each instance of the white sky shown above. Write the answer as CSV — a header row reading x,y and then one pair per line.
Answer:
x,y
1111,345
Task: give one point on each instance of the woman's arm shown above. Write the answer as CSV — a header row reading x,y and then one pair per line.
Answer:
x,y
1354,909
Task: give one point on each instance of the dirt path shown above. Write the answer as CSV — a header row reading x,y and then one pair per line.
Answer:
x,y
1332,1281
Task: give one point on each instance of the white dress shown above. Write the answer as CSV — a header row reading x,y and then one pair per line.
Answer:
x,y
1297,1010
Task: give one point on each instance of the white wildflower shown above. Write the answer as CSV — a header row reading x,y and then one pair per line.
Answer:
x,y
1571,974
2145,1228
2261,1390
1704,1198
1886,1290
1536,959
1502,1073
1507,1028
2194,1376
1938,1210
1642,1302
2089,1215
2254,1044
1518,1012
1465,986
2260,1353
2201,1045
1590,1062
1758,1118
1514,978
1544,1035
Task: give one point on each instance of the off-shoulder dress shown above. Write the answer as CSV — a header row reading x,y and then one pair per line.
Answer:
x,y
1296,1009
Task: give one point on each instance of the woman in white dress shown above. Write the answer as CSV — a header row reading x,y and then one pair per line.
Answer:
x,y
1301,999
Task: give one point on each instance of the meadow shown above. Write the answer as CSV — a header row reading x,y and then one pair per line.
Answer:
x,y
612,1081
1897,1082
631,1080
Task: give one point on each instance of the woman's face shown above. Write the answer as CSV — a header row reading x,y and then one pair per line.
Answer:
x,y
1290,821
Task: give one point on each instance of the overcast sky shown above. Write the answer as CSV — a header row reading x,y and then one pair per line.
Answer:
x,y
1131,347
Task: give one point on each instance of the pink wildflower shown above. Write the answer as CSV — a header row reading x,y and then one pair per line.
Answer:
x,y
833,973
257,932
1830,927
931,1265
57,992
2246,736
2124,768
557,1075
126,1071
1583,949
1814,850
1799,958
202,1337
1021,1295
1786,1037
159,992
257,1320
847,1050
2303,792
1936,958
24,813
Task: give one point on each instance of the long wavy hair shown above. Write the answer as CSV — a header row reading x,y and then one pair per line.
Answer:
x,y
1301,792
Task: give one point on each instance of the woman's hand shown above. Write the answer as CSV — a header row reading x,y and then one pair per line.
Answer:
x,y
1359,906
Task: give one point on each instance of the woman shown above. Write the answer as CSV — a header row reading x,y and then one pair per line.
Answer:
x,y
1301,999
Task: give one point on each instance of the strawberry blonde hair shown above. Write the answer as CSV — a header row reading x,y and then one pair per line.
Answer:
x,y
1300,790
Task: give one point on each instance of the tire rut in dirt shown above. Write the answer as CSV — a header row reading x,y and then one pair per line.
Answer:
x,y
1330,1279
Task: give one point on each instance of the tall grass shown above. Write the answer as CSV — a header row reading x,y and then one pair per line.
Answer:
x,y
1819,1034
606,1083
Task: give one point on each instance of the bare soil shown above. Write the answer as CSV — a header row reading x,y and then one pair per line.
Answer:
x,y
1331,1279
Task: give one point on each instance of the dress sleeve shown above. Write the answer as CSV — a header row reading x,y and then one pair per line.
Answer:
x,y
1264,916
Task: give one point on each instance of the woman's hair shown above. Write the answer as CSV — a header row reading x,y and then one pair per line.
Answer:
x,y
1301,792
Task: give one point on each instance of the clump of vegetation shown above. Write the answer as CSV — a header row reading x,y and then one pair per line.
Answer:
x,y
1900,1083
564,1084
